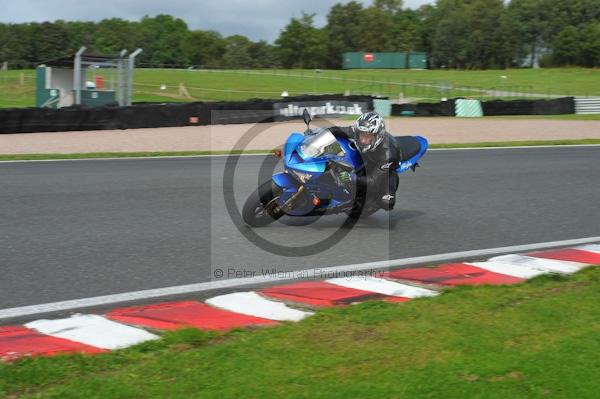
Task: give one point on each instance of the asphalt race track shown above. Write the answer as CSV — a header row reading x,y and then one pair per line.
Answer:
x,y
77,229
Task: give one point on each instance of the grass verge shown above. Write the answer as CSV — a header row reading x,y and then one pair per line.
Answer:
x,y
565,117
88,155
17,87
41,157
524,143
539,339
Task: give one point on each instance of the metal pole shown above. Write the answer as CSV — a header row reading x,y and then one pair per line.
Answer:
x,y
120,83
77,75
130,74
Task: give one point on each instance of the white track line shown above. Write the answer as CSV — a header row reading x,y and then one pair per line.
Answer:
x,y
510,269
93,330
382,286
252,304
235,283
551,265
267,153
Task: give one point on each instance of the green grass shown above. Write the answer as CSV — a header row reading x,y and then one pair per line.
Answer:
x,y
13,94
427,85
23,157
566,117
525,143
539,339
87,155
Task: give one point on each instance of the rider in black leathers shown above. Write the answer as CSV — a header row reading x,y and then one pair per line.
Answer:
x,y
381,154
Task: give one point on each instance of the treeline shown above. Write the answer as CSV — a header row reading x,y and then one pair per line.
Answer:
x,y
473,34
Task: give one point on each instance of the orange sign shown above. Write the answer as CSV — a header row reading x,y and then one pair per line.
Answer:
x,y
99,82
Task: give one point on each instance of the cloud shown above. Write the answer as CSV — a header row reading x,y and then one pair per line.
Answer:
x,y
257,19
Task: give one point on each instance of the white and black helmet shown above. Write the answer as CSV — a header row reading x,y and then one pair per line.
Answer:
x,y
369,130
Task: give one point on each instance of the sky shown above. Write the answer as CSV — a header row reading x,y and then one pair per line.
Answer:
x,y
256,19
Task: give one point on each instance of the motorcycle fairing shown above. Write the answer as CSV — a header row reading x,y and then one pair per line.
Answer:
x,y
406,165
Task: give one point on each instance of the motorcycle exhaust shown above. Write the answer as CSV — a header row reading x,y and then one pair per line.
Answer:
x,y
289,204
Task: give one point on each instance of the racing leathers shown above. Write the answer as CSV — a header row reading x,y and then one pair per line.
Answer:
x,y
377,181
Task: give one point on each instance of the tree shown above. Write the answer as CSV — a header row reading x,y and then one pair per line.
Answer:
x,y
162,37
448,45
375,30
389,6
486,35
203,48
83,34
16,43
567,47
540,22
237,52
301,45
113,35
263,54
50,41
405,31
342,31
509,45
589,51
470,34
428,21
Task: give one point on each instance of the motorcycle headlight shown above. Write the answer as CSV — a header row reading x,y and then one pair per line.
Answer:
x,y
303,177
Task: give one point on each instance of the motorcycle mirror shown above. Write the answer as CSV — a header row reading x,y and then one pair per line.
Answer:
x,y
306,117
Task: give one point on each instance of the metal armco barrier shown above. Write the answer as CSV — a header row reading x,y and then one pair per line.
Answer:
x,y
587,105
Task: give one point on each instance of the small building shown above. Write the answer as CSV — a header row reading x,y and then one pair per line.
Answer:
x,y
85,79
366,60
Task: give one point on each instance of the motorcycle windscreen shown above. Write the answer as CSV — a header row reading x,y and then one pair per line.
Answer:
x,y
316,145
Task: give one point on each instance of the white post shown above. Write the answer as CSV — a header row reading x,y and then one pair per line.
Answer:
x,y
130,74
120,83
77,75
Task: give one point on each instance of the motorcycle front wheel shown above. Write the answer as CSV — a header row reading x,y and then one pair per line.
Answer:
x,y
261,207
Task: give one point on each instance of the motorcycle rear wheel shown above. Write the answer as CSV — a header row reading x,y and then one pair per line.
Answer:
x,y
355,213
261,206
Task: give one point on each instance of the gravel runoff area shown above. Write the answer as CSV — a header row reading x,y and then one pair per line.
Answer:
x,y
270,135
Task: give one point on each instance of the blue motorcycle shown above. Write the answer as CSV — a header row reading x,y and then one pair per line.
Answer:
x,y
310,184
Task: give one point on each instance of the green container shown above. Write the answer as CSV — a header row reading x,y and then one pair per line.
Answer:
x,y
417,60
47,98
366,60
399,60
97,98
351,60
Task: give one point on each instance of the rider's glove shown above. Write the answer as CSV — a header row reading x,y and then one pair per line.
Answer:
x,y
345,177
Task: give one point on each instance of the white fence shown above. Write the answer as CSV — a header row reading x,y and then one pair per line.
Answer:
x,y
587,105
